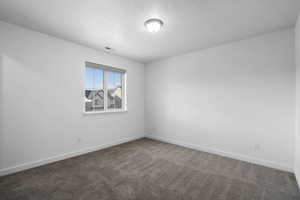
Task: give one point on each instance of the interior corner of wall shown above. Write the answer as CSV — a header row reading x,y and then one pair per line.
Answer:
x,y
1,109
297,174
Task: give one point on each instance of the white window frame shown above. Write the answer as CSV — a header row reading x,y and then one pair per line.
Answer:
x,y
106,69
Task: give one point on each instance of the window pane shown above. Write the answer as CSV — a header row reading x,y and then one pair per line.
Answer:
x,y
94,100
93,78
89,77
98,77
114,90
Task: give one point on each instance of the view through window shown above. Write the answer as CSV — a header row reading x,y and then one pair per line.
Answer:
x,y
104,88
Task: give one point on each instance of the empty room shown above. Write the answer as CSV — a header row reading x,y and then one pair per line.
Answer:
x,y
150,100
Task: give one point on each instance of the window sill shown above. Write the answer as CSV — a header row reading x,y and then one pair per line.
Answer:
x,y
104,112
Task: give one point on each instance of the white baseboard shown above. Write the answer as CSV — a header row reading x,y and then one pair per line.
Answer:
x,y
245,158
41,162
29,165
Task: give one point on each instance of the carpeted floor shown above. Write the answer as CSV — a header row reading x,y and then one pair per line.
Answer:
x,y
149,170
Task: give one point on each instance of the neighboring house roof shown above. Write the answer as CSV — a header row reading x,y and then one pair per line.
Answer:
x,y
112,94
92,94
116,92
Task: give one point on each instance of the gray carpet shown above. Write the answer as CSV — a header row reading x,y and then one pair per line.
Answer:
x,y
150,170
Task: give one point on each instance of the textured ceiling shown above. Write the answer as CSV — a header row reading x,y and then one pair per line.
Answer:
x,y
189,24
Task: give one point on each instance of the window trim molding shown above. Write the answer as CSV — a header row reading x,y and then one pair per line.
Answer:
x,y
105,69
105,112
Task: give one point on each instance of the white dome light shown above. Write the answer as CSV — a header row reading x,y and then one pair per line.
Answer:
x,y
153,25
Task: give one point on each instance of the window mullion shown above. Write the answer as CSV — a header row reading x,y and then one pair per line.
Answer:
x,y
105,89
93,102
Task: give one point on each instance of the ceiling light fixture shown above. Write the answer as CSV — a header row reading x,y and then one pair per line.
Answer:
x,y
153,25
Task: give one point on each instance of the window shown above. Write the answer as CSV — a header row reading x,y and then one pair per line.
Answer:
x,y
104,88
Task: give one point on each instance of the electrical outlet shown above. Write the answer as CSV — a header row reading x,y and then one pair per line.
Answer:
x,y
79,140
257,147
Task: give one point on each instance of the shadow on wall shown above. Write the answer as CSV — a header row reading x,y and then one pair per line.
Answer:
x,y
13,87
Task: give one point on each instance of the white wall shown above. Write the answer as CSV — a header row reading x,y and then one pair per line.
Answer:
x,y
236,99
297,132
41,88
